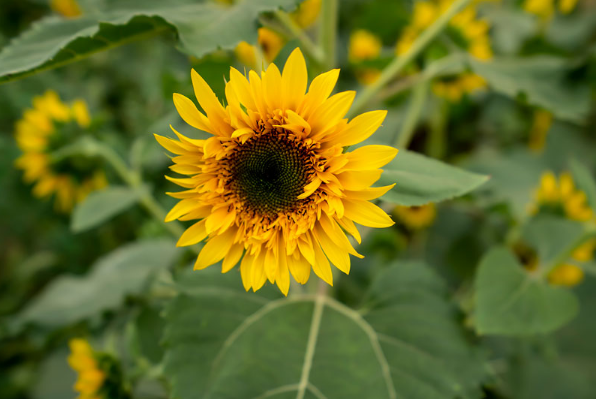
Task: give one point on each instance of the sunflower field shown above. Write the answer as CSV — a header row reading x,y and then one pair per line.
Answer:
x,y
298,199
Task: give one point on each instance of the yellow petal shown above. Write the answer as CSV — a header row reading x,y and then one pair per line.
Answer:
x,y
272,87
170,145
294,80
300,268
326,117
181,208
232,257
321,266
191,115
320,89
360,128
366,214
246,270
215,249
194,234
370,157
208,101
336,255
356,180
369,193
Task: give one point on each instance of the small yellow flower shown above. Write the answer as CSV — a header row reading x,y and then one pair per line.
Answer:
x,y
364,45
454,89
567,275
416,217
273,188
585,252
545,9
562,195
84,361
474,30
367,76
66,8
540,127
270,43
307,13
44,129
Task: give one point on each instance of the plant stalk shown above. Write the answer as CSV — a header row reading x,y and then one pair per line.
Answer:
x,y
398,64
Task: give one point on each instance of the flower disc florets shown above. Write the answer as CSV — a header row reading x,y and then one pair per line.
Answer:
x,y
273,187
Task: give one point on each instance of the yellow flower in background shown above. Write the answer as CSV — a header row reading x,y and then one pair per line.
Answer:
x,y
307,13
270,44
66,8
364,45
562,195
367,76
566,275
540,127
416,217
90,377
585,252
45,128
273,188
466,22
454,89
545,9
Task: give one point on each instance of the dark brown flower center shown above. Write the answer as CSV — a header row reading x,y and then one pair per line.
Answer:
x,y
269,172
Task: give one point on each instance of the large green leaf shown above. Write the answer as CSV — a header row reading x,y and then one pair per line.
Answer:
x,y
420,180
551,236
404,343
510,301
541,80
201,26
71,298
102,205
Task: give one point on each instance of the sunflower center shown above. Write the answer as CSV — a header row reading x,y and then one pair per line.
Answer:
x,y
269,172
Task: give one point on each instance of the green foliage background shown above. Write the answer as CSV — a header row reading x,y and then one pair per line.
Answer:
x,y
445,312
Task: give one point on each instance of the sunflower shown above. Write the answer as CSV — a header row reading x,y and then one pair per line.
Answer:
x,y
416,217
274,187
66,8
270,43
561,197
84,361
48,126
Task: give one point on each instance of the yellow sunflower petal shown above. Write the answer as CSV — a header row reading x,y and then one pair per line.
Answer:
x,y
215,249
366,214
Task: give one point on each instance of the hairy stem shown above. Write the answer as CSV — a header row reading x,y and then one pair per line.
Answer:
x,y
411,120
306,44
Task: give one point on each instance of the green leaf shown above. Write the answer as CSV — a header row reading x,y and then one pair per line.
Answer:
x,y
406,343
102,205
542,80
510,301
551,236
123,272
420,180
201,27
584,181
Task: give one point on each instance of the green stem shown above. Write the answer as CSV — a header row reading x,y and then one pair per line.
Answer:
x,y
90,148
306,44
436,146
568,252
411,120
398,64
328,34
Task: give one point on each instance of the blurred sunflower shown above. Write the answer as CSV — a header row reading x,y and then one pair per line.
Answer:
x,y
541,124
545,9
270,43
566,275
416,217
561,197
307,13
364,45
66,8
273,188
83,360
45,128
464,29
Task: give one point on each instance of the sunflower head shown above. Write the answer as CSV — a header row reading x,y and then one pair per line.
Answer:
x,y
66,8
560,196
270,43
567,275
416,217
273,187
83,360
48,126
